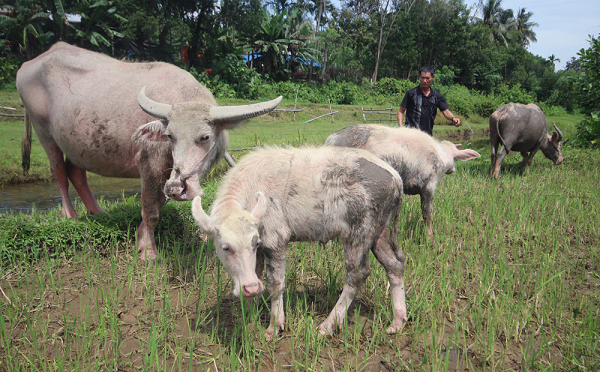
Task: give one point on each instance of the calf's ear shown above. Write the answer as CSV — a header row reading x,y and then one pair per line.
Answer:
x,y
260,207
201,217
467,154
154,131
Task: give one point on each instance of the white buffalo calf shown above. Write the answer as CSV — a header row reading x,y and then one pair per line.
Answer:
x,y
275,195
420,159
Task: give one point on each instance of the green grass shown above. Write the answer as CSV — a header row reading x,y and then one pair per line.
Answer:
x,y
511,281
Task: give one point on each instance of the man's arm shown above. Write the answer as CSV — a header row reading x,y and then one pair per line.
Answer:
x,y
450,116
401,112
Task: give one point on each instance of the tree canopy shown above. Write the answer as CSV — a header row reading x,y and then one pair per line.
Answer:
x,y
362,41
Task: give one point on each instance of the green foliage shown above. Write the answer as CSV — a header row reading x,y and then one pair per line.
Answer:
x,y
514,93
97,18
588,82
37,235
467,102
588,91
392,87
8,70
342,93
588,131
551,110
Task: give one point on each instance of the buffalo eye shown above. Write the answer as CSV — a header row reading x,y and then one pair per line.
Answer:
x,y
205,137
170,137
225,248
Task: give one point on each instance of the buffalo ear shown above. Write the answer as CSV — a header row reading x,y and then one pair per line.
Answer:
x,y
154,131
467,154
555,138
201,217
260,207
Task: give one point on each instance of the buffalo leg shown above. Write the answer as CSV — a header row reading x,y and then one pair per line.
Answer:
x,y
276,285
501,155
387,253
494,140
427,211
152,201
59,171
528,158
358,269
78,178
152,197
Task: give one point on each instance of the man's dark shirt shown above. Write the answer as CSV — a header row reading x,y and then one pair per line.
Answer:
x,y
421,109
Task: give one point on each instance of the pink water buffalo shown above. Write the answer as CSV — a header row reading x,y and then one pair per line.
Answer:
x,y
85,109
522,128
274,196
420,159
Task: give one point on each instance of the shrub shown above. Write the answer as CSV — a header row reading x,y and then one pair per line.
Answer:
x,y
342,93
8,71
514,94
588,131
391,87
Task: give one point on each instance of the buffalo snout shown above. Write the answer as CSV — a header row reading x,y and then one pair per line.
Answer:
x,y
176,190
252,289
559,160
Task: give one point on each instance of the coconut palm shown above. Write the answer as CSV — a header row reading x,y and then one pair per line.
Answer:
x,y
523,27
552,60
500,21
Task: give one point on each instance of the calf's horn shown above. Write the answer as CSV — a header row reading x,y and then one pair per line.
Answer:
x,y
156,109
221,114
560,136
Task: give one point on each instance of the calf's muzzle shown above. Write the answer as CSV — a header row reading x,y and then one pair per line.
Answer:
x,y
252,289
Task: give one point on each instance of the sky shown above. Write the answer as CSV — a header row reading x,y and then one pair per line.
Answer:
x,y
563,26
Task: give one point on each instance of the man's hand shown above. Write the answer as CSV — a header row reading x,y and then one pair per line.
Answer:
x,y
456,121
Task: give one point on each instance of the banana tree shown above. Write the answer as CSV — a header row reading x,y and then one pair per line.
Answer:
x,y
22,24
98,19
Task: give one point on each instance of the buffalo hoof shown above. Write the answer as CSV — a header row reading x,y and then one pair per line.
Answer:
x,y
149,256
270,334
326,328
394,328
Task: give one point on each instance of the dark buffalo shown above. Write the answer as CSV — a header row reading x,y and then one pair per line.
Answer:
x,y
522,128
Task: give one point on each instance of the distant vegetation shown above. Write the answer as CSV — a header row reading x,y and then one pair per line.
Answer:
x,y
357,53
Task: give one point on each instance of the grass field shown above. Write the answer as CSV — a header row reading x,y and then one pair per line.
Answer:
x,y
510,282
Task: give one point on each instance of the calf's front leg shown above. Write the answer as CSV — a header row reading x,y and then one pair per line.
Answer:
x,y
392,259
275,285
427,210
358,269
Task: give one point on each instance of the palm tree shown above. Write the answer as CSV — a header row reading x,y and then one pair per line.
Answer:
x,y
523,28
552,60
499,21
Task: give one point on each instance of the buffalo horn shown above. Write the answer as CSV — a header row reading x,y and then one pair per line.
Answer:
x,y
560,136
156,109
222,114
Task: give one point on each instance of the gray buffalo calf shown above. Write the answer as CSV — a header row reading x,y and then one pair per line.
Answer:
x,y
274,196
522,128
420,159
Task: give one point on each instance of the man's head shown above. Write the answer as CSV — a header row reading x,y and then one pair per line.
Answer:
x,y
426,76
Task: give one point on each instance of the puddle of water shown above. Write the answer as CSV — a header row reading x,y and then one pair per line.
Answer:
x,y
21,198
453,356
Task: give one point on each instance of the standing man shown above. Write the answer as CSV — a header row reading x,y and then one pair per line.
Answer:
x,y
421,104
